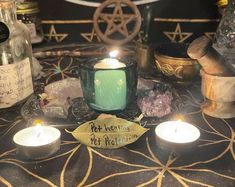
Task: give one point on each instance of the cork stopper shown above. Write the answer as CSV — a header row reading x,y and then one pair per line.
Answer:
x,y
199,47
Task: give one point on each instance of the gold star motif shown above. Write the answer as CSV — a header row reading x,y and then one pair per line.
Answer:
x,y
91,36
117,21
53,34
210,35
178,32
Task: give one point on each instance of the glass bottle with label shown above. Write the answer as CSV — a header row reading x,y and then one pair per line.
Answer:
x,y
15,57
28,13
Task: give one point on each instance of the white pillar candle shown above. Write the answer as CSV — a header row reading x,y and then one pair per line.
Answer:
x,y
177,132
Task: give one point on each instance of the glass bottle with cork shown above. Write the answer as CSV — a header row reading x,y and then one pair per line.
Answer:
x,y
16,83
28,13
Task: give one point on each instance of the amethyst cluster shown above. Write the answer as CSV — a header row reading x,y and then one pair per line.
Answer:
x,y
155,103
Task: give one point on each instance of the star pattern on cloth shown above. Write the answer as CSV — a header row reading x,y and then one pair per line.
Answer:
x,y
210,35
54,35
117,21
142,165
91,37
182,36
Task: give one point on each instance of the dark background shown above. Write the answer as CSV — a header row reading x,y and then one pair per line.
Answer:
x,y
68,22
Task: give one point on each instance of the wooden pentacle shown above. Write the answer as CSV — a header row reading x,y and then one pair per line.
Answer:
x,y
117,22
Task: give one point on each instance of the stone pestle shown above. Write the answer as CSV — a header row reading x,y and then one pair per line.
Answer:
x,y
211,61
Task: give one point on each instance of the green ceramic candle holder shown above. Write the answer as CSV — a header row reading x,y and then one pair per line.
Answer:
x,y
108,84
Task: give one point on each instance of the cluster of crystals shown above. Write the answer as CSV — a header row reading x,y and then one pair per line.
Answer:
x,y
58,97
156,104
225,34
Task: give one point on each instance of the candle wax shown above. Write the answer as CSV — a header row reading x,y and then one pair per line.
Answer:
x,y
177,132
36,136
109,63
110,85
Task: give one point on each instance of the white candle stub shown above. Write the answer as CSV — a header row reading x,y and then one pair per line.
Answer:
x,y
177,132
37,136
109,63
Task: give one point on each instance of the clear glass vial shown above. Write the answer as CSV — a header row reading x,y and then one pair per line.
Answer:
x,y
15,57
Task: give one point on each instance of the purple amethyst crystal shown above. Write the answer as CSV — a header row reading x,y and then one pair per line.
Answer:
x,y
155,103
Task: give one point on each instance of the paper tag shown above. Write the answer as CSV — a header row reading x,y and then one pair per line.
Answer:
x,y
32,29
15,83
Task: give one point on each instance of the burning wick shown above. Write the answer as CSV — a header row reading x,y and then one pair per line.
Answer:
x,y
38,130
38,126
178,124
176,130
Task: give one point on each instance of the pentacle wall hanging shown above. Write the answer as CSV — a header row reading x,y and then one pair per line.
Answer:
x,y
117,22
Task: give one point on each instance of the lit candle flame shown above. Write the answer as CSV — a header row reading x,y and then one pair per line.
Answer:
x,y
110,63
38,126
37,122
180,117
113,53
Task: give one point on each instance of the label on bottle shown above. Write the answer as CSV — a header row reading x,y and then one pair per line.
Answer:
x,y
32,29
15,83
4,32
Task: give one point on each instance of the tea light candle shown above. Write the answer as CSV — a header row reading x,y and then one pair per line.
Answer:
x,y
110,84
176,135
37,142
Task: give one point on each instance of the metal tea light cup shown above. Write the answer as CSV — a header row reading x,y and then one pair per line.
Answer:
x,y
28,148
177,137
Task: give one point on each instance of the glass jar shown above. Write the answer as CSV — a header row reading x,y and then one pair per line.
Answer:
x,y
28,13
108,84
15,57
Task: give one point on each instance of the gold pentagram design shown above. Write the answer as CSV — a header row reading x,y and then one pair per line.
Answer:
x,y
118,23
53,34
178,33
90,36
